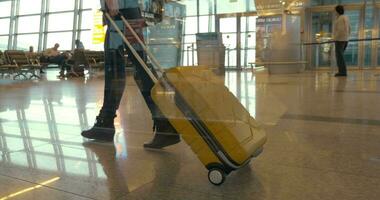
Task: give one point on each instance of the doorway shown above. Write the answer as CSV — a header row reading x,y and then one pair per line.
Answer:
x,y
239,37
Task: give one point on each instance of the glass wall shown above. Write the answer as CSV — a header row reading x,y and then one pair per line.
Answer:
x,y
364,19
41,23
321,31
5,14
368,32
352,52
212,15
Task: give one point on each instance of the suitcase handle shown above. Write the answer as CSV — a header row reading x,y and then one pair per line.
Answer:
x,y
151,56
139,59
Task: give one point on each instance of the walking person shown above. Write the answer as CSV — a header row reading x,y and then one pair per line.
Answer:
x,y
104,129
342,29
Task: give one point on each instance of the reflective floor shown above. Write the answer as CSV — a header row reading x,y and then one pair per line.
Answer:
x,y
323,142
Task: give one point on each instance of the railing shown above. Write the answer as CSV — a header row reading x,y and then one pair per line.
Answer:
x,y
332,54
332,41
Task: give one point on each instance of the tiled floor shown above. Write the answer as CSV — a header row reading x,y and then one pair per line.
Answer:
x,y
323,142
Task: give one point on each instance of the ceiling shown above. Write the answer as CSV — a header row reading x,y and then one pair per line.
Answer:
x,y
265,7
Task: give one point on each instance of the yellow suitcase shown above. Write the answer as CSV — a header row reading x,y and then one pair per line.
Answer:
x,y
209,117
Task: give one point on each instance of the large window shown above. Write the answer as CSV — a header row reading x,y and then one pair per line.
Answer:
x,y
87,40
5,8
28,24
90,4
87,19
237,6
61,21
41,23
63,38
30,7
191,7
58,5
4,24
51,21
27,40
3,42
206,7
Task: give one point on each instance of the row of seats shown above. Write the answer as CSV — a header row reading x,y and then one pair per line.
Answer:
x,y
86,59
16,63
24,65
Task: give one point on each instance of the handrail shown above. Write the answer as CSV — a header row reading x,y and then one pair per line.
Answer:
x,y
332,41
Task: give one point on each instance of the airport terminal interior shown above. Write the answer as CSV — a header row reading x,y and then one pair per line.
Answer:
x,y
260,113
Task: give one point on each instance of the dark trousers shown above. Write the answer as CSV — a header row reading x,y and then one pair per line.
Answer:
x,y
60,60
114,85
340,47
114,70
145,85
115,79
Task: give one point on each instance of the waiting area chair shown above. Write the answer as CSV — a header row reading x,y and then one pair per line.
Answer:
x,y
95,60
6,68
23,64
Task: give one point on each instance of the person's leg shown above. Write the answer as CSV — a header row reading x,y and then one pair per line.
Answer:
x,y
59,60
114,72
345,44
164,133
114,81
339,54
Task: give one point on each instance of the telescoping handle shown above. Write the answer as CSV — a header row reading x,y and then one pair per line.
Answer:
x,y
151,56
140,60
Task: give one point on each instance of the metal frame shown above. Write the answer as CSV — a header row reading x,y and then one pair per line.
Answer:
x,y
11,24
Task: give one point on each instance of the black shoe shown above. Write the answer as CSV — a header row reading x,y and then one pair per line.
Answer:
x,y
339,74
162,140
103,129
42,72
165,135
61,74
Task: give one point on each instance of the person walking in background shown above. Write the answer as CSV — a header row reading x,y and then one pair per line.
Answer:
x,y
342,29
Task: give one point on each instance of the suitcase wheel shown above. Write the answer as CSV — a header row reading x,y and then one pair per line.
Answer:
x,y
216,176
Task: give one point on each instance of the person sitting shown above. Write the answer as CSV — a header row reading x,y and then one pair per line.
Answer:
x,y
79,44
32,56
78,60
52,55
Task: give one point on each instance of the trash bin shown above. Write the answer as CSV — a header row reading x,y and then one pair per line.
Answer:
x,y
211,51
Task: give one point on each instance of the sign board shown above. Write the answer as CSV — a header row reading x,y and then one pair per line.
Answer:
x,y
98,30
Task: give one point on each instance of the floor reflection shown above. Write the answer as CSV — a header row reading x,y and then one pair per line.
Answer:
x,y
315,123
40,124
42,121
